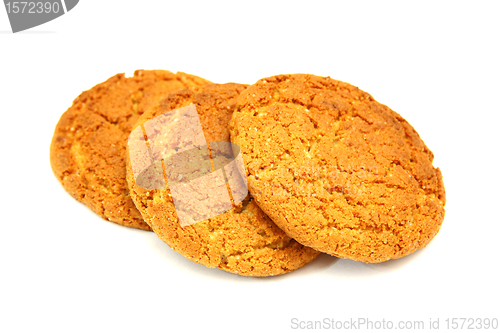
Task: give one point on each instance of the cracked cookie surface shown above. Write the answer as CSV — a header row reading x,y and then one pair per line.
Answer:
x,y
87,153
336,170
242,240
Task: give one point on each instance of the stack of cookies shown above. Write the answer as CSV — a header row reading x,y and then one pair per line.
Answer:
x,y
328,169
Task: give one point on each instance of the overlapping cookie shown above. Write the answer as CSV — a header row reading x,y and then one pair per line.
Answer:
x,y
87,152
175,195
336,170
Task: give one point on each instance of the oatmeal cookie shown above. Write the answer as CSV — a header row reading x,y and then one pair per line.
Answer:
x,y
336,170
241,240
87,153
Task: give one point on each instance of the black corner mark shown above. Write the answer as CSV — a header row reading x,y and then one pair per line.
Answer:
x,y
24,15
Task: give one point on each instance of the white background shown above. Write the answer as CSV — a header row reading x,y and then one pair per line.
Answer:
x,y
64,269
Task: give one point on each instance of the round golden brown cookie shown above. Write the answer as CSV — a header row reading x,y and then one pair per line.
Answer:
x,y
242,240
88,148
336,170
